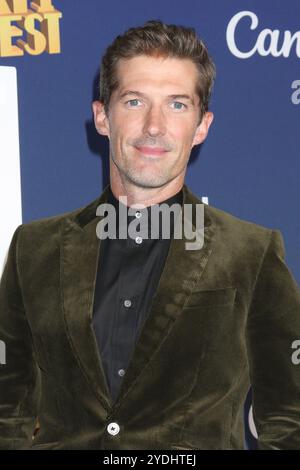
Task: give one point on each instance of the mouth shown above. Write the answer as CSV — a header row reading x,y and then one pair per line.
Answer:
x,y
156,151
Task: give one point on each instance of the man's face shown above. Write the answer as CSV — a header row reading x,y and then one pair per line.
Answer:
x,y
152,127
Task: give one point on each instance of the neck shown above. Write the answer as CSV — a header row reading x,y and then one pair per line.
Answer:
x,y
144,196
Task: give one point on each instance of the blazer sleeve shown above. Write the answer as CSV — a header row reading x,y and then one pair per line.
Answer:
x,y
18,370
273,326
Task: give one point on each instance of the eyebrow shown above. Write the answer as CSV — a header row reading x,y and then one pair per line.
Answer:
x,y
173,96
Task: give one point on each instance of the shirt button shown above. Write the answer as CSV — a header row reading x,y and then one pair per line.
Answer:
x,y
138,240
121,372
127,303
113,428
138,214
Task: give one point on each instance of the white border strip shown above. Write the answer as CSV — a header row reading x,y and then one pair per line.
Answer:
x,y
10,179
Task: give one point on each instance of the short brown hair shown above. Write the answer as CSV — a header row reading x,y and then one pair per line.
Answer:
x,y
158,39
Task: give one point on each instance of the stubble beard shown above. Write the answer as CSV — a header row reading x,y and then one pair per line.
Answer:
x,y
142,179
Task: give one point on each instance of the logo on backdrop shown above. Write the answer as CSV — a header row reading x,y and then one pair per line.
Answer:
x,y
266,42
295,97
29,29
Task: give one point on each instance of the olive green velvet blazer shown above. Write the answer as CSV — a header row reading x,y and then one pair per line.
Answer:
x,y
223,318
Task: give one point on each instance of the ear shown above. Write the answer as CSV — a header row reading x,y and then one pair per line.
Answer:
x,y
100,118
202,129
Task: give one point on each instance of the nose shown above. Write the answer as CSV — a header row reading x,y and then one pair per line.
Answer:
x,y
154,121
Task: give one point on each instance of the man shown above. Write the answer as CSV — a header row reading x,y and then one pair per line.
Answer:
x,y
136,342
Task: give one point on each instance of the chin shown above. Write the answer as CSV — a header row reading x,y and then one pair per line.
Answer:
x,y
148,182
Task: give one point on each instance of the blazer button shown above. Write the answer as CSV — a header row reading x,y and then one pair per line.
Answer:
x,y
113,428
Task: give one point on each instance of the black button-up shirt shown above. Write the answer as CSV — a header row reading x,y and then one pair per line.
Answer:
x,y
128,274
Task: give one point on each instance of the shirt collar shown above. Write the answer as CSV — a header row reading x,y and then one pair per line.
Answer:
x,y
146,211
176,198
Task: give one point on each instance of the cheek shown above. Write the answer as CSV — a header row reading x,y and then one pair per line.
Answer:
x,y
181,128
183,136
126,129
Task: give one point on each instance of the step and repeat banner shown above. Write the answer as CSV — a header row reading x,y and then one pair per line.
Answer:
x,y
52,160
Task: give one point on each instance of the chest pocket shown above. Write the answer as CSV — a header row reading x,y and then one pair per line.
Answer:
x,y
212,298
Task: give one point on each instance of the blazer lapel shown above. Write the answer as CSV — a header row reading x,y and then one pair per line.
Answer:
x,y
79,261
80,249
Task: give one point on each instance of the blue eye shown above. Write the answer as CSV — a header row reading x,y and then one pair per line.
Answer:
x,y
135,100
181,104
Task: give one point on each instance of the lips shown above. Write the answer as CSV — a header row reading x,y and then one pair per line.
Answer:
x,y
151,150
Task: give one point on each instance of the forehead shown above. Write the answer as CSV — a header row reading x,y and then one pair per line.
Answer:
x,y
171,74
